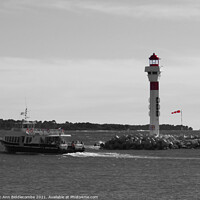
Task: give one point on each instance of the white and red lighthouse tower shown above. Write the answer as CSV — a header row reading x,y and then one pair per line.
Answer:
x,y
153,71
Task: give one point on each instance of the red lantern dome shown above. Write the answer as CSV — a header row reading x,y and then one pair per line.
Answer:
x,y
154,60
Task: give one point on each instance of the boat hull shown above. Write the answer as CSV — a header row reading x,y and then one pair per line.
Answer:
x,y
39,148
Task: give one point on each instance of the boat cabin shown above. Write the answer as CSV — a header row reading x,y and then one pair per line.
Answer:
x,y
57,139
37,139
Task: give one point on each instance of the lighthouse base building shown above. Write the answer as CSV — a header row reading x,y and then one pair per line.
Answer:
x,y
153,72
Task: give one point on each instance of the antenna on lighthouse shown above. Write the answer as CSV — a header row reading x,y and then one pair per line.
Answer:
x,y
153,72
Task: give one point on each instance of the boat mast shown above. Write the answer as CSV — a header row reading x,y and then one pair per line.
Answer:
x,y
25,117
25,114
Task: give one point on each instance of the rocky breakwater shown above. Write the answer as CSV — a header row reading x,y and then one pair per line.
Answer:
x,y
146,142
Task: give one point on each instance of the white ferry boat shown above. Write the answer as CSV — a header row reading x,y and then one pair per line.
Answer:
x,y
27,139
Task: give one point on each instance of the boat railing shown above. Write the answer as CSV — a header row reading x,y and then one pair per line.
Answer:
x,y
45,131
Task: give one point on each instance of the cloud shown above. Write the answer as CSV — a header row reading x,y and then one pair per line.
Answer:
x,y
172,10
156,10
63,86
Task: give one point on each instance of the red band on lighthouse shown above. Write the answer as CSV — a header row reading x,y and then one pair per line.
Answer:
x,y
154,85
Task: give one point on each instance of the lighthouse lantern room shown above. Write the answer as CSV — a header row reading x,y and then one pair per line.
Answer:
x,y
153,72
154,60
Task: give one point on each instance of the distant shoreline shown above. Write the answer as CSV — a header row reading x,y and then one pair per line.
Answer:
x,y
125,132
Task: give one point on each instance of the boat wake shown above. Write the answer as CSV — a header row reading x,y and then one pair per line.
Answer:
x,y
121,156
92,147
106,155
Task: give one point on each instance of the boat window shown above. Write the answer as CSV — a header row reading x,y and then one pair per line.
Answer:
x,y
17,126
12,139
56,139
41,140
64,140
52,140
28,140
154,72
25,126
22,139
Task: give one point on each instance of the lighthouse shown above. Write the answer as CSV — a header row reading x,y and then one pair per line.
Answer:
x,y
153,72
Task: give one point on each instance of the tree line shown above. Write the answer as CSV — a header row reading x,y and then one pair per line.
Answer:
x,y
10,123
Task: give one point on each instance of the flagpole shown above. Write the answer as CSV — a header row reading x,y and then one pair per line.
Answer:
x,y
179,111
181,120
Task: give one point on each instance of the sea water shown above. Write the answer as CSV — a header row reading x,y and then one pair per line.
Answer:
x,y
102,174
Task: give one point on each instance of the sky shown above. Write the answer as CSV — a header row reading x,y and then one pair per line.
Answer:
x,y
84,60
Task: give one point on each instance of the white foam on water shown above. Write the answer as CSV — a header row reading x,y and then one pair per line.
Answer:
x,y
180,158
106,155
92,147
120,155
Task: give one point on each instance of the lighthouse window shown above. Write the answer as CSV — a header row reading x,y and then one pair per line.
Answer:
x,y
149,72
154,72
